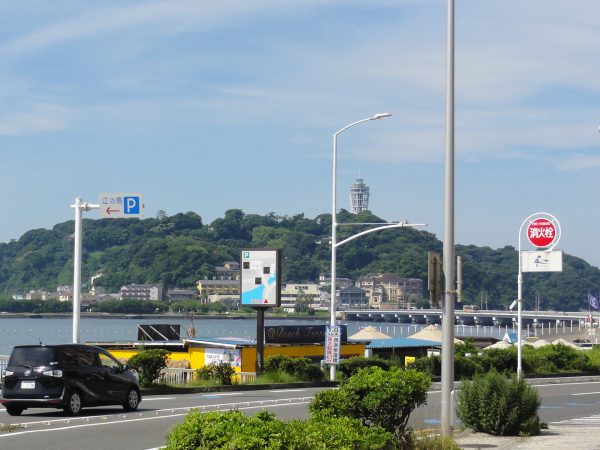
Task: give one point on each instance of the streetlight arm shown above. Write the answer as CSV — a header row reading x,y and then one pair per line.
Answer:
x,y
383,227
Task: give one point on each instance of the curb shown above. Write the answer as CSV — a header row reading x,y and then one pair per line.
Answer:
x,y
163,390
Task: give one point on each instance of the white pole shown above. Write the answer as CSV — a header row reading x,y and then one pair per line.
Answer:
x,y
77,271
448,248
333,246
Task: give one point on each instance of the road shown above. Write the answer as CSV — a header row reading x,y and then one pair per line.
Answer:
x,y
110,428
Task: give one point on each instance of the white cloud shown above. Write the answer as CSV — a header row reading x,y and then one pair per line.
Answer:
x,y
37,118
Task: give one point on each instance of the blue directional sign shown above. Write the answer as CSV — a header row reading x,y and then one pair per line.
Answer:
x,y
121,205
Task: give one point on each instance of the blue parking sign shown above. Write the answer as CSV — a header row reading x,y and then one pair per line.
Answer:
x,y
131,205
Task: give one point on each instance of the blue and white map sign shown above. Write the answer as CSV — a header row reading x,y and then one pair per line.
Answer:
x,y
261,277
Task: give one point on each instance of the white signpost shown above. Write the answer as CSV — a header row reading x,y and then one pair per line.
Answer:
x,y
332,345
111,206
543,233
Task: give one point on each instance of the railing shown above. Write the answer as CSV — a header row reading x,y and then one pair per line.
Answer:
x,y
177,376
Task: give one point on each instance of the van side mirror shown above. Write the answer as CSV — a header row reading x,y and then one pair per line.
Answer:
x,y
124,367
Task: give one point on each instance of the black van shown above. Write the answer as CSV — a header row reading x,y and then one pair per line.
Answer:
x,y
67,377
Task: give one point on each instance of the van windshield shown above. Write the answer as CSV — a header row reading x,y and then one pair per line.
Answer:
x,y
32,356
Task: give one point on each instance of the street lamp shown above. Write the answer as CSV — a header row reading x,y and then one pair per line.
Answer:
x,y
334,221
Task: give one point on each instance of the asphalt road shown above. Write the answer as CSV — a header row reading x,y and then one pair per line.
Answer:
x,y
111,428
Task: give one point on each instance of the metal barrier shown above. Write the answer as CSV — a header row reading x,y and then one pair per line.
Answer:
x,y
178,376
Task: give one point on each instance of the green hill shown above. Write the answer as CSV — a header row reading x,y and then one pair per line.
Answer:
x,y
180,249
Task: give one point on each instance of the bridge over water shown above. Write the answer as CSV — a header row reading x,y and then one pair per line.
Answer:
x,y
483,317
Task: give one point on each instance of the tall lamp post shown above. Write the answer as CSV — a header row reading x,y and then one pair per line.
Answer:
x,y
334,220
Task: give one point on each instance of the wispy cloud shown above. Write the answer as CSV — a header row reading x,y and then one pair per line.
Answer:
x,y
37,118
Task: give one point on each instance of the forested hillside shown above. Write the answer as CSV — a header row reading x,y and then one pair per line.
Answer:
x,y
180,249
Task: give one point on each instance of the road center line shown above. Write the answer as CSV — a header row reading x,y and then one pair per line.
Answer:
x,y
586,393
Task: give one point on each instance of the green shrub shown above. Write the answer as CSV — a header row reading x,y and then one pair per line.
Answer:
x,y
352,365
149,364
495,404
434,443
233,430
303,368
430,365
220,373
377,398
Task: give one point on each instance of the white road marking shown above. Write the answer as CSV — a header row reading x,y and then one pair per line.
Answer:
x,y
18,433
150,399
287,390
586,393
221,394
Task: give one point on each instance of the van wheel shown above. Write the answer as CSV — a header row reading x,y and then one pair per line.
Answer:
x,y
73,405
132,401
14,410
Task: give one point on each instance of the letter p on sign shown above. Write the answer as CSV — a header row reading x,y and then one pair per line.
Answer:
x,y
131,205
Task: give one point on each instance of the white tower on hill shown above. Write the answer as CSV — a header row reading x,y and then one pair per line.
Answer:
x,y
359,197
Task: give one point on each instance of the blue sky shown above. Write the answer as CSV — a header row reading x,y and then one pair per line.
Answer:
x,y
210,105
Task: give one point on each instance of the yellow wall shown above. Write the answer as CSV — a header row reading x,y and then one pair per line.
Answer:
x,y
195,355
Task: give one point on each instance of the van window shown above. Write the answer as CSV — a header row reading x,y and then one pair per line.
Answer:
x,y
88,358
32,356
107,361
69,357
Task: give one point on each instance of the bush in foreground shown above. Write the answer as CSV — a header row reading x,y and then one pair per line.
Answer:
x,y
233,430
495,404
149,364
378,398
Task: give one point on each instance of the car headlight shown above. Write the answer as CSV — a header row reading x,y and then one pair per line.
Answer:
x,y
8,373
53,373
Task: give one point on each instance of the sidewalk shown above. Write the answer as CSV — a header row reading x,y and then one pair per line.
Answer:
x,y
571,437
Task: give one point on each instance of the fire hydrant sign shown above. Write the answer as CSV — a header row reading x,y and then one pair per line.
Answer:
x,y
332,345
541,233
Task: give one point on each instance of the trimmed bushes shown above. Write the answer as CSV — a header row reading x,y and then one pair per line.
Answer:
x,y
377,398
303,368
495,404
234,430
351,365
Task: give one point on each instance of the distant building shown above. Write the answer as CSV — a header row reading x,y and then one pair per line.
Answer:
x,y
390,288
142,292
229,271
215,290
359,197
353,297
175,295
291,291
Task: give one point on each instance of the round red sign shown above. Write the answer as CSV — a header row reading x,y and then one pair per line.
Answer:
x,y
541,233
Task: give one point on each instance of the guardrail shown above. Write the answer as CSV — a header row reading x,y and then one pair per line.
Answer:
x,y
178,377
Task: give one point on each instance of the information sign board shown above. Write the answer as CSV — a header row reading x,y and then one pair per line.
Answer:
x,y
540,261
261,279
332,345
121,205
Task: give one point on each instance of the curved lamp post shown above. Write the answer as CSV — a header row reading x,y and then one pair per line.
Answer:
x,y
334,220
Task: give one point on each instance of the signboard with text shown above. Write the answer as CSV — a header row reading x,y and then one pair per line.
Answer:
x,y
541,233
261,278
541,261
300,334
121,206
332,344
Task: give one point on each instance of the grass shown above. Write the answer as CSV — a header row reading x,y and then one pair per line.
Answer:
x,y
275,377
9,427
